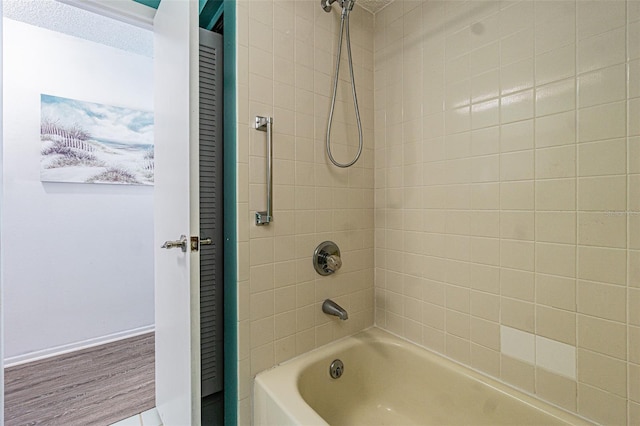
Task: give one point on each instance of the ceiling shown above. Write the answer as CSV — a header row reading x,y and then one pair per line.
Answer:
x,y
151,3
208,10
372,6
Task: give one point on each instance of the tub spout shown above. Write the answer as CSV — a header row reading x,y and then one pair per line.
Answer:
x,y
332,308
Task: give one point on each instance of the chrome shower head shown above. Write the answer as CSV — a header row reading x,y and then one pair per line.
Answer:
x,y
345,4
326,5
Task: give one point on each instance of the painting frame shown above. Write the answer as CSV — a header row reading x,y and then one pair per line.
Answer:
x,y
89,142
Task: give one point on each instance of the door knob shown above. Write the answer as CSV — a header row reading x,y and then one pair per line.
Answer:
x,y
181,243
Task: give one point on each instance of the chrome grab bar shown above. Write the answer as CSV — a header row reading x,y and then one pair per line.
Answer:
x,y
264,125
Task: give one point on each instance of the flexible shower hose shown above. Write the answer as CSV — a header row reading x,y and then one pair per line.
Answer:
x,y
344,21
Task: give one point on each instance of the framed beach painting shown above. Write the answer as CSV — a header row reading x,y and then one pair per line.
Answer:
x,y
94,143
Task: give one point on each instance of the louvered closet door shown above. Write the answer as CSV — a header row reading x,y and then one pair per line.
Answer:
x,y
211,259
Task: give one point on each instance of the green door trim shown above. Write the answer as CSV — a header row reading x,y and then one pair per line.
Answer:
x,y
230,215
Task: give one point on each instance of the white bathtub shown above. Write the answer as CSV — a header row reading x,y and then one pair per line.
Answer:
x,y
388,381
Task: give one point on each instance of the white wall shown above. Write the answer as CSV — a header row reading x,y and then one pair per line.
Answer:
x,y
78,260
1,268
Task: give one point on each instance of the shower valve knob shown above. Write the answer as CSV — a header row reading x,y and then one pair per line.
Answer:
x,y
326,258
333,263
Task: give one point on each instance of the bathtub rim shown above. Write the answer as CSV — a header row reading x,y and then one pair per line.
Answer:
x,y
288,397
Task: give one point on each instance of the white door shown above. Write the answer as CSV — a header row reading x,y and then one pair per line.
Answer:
x,y
176,213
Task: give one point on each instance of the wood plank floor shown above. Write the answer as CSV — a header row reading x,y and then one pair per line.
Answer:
x,y
95,386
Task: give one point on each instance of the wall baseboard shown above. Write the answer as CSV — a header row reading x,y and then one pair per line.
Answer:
x,y
76,346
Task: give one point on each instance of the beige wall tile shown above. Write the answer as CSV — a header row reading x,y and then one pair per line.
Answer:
x,y
556,324
261,278
262,305
605,373
599,16
602,193
602,86
634,268
517,373
634,110
458,349
517,225
602,336
558,292
516,76
485,305
517,136
517,314
285,324
517,46
556,194
602,122
602,300
457,323
555,64
634,344
517,284
557,389
556,162
517,165
634,47
485,360
634,230
556,227
555,130
457,298
277,295
556,97
601,50
555,25
556,259
285,348
518,195
634,82
602,264
601,406
433,316
485,333
634,302
262,358
634,382
485,196
634,187
485,223
244,411
602,158
500,210
634,413
262,332
244,379
517,254
602,229
433,339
